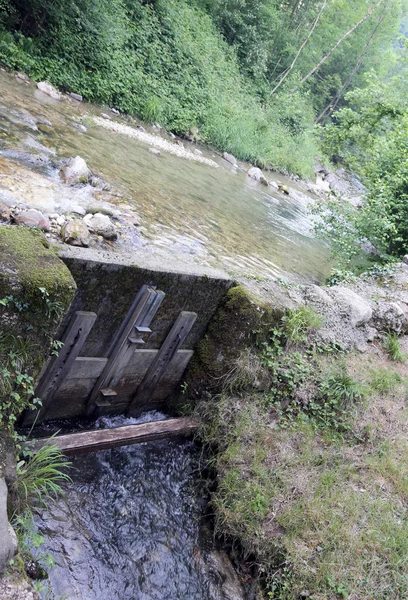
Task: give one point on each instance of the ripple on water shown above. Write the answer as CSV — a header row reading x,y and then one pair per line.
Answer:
x,y
128,527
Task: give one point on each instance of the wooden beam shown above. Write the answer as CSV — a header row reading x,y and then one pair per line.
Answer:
x,y
144,308
171,344
102,439
59,366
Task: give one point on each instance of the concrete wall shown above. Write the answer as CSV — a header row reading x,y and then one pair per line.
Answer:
x,y
108,286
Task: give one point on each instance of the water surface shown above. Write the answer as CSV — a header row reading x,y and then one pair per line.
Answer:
x,y
212,215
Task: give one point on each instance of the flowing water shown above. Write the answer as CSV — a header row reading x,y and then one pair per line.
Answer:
x,y
213,216
128,528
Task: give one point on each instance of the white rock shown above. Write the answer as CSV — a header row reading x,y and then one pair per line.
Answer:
x,y
230,158
257,174
357,309
154,151
48,89
32,218
101,225
75,171
76,97
273,184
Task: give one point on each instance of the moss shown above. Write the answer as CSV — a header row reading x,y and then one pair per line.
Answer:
x,y
241,320
42,289
28,264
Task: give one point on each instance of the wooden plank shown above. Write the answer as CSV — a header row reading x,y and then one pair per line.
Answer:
x,y
102,439
141,313
73,341
86,367
171,344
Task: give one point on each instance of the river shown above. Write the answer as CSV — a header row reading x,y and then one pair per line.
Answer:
x,y
213,216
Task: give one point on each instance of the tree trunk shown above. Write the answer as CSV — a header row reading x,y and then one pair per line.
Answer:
x,y
289,69
330,52
324,115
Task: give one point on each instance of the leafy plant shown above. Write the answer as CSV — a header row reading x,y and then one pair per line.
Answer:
x,y
39,478
296,324
393,347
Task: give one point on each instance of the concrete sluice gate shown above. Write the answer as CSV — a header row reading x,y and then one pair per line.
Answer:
x,y
127,337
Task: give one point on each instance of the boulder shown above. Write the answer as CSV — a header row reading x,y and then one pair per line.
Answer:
x,y
230,158
317,295
352,305
390,316
23,77
76,97
284,189
75,171
273,184
256,173
154,151
8,539
5,212
48,89
75,233
32,218
101,225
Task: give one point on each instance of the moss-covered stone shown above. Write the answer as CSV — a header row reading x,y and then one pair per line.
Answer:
x,y
36,290
239,322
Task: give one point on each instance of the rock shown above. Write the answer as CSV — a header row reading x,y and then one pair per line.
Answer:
x,y
101,225
353,305
273,184
105,116
154,151
197,151
8,541
115,111
222,573
79,127
60,220
284,189
48,89
317,295
32,218
230,158
405,259
389,316
75,233
76,97
371,333
75,171
5,212
256,173
23,77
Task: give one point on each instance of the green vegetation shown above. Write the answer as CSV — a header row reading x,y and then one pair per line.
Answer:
x,y
39,477
393,347
310,454
247,77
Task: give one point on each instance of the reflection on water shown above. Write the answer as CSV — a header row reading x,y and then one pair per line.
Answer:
x,y
216,216
128,528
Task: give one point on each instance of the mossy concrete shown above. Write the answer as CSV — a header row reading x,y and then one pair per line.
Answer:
x,y
40,289
109,288
241,320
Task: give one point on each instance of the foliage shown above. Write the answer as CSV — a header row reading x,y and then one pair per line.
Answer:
x,y
39,477
201,64
384,380
296,324
371,135
393,347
